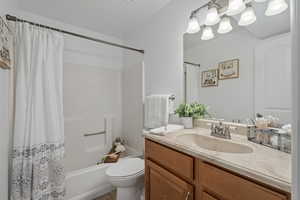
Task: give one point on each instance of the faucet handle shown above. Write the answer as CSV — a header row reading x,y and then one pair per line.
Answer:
x,y
227,128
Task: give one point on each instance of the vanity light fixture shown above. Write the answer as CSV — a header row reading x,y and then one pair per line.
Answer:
x,y
208,33
235,7
248,17
212,16
216,12
225,26
193,26
276,7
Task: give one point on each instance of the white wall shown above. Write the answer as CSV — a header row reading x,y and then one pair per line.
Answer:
x,y
233,98
296,98
162,40
6,6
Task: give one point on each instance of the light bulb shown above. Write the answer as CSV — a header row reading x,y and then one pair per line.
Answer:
x,y
193,26
212,17
235,7
207,33
225,26
276,7
248,17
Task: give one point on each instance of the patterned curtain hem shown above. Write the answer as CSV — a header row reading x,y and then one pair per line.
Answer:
x,y
38,172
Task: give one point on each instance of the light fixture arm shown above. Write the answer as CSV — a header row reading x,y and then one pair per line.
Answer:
x,y
215,3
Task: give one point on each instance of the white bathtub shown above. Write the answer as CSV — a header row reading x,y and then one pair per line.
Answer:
x,y
89,183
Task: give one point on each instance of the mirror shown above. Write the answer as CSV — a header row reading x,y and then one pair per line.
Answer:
x,y
242,72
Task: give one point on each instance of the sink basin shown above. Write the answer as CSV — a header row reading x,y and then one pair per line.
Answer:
x,y
213,144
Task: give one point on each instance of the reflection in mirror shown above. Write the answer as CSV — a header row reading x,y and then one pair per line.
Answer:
x,y
242,67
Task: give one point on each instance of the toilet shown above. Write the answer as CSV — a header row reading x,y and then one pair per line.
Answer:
x,y
128,177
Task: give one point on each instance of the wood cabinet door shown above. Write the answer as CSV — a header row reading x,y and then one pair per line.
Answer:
x,y
163,185
206,196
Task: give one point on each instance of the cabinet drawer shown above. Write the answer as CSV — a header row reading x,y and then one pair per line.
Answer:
x,y
179,163
230,186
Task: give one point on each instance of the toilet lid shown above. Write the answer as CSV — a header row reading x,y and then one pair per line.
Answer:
x,y
126,167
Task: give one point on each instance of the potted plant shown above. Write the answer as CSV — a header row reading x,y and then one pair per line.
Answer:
x,y
188,112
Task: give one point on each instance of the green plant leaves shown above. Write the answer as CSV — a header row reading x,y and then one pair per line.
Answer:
x,y
194,110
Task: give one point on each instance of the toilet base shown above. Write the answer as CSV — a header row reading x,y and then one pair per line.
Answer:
x,y
128,193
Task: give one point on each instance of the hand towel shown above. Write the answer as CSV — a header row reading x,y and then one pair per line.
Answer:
x,y
156,111
162,131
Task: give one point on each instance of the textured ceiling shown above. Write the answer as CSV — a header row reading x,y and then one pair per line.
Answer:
x,y
112,17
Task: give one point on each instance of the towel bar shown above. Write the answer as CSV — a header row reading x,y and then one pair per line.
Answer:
x,y
172,97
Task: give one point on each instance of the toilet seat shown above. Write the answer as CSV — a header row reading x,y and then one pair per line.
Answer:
x,y
126,178
127,168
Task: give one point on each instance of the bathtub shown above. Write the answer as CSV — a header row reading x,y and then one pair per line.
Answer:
x,y
90,182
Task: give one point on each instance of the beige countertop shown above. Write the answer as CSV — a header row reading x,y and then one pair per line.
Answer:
x,y
264,164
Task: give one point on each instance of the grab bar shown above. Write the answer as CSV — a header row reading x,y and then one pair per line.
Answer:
x,y
97,133
92,134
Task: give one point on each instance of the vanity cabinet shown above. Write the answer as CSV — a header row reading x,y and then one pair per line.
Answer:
x,y
163,185
172,175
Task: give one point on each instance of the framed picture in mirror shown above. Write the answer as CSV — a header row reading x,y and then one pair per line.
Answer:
x,y
209,78
229,69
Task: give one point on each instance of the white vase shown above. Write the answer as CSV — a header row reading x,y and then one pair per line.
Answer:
x,y
187,122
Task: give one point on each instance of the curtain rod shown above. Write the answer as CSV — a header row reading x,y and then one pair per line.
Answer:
x,y
15,19
192,64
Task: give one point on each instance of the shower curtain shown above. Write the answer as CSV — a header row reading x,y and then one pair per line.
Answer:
x,y
38,144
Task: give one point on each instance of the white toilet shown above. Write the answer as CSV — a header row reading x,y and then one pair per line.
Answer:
x,y
128,177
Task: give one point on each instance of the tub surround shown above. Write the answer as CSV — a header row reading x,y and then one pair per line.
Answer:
x,y
265,165
92,182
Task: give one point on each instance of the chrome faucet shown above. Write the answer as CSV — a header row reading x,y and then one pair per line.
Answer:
x,y
220,130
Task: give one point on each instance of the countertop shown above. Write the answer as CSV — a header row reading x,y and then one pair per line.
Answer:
x,y
264,164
